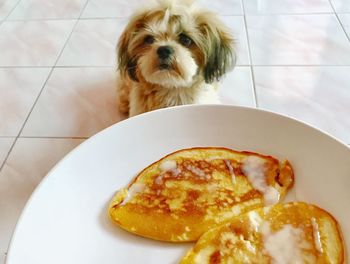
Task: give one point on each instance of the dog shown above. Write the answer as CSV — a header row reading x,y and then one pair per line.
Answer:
x,y
170,54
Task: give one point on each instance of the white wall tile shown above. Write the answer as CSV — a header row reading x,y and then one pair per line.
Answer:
x,y
93,43
261,7
5,145
32,43
76,102
237,27
317,95
43,9
6,6
345,20
19,88
237,88
297,40
113,8
223,7
341,6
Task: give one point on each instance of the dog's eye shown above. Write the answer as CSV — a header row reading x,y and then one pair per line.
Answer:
x,y
185,40
148,40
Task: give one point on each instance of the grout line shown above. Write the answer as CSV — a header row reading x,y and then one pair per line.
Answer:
x,y
44,137
339,21
84,18
42,88
45,67
237,65
41,19
9,13
49,137
13,8
8,152
300,65
27,117
255,94
126,17
37,98
61,19
342,25
290,14
54,66
250,57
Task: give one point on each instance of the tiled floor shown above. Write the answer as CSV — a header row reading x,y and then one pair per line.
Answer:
x,y
57,76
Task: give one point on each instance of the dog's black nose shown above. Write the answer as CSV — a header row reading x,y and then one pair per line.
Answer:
x,y
164,52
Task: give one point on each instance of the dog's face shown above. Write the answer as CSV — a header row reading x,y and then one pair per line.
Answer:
x,y
171,46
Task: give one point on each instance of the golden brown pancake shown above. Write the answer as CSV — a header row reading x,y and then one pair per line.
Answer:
x,y
181,196
284,233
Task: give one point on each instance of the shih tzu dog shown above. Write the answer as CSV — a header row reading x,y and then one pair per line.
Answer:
x,y
172,54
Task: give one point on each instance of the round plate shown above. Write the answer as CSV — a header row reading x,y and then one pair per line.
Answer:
x,y
65,221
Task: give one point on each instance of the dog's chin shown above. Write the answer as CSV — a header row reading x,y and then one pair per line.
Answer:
x,y
168,75
168,78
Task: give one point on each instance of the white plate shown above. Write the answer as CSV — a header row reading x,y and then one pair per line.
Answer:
x,y
65,220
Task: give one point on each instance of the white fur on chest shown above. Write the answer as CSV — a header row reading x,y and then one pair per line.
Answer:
x,y
142,100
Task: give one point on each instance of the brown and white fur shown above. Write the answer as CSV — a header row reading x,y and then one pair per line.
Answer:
x,y
172,54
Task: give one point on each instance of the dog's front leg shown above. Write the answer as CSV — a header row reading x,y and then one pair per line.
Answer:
x,y
123,94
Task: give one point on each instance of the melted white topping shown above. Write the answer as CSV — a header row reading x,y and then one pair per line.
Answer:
x,y
168,165
283,245
159,179
198,172
133,190
165,166
254,169
203,255
271,196
317,237
231,170
255,219
250,247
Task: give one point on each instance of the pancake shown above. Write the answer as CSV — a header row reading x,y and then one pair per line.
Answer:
x,y
284,233
184,194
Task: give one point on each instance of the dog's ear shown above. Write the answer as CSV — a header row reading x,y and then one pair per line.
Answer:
x,y
217,46
126,64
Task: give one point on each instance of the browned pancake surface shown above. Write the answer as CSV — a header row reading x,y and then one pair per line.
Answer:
x,y
289,233
188,192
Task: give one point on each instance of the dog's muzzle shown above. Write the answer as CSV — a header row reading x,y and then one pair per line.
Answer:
x,y
164,54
